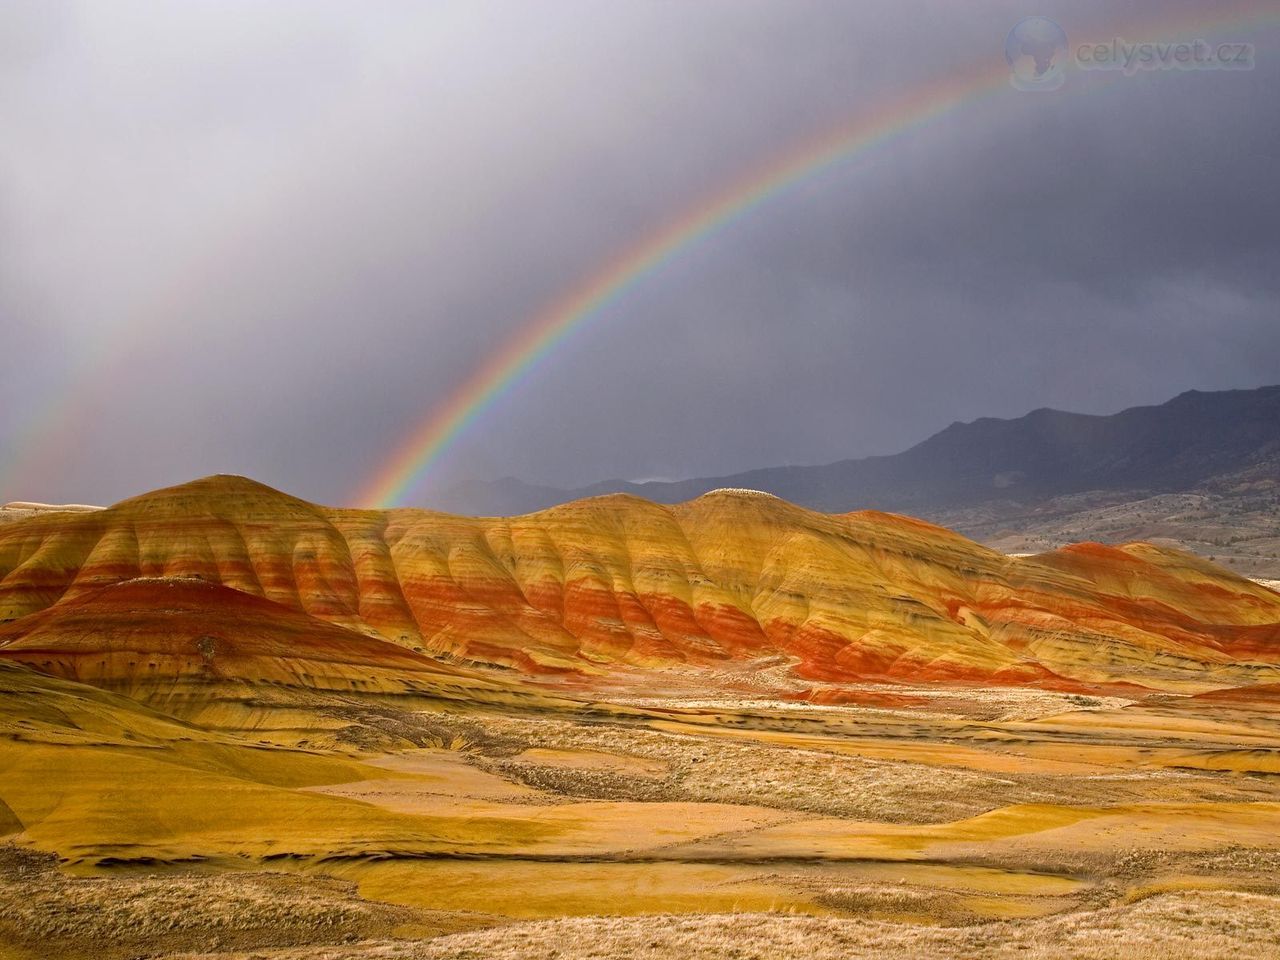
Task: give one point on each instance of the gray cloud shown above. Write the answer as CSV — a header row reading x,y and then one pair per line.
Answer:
x,y
268,240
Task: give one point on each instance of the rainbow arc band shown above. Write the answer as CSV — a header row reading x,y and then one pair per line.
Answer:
x,y
500,373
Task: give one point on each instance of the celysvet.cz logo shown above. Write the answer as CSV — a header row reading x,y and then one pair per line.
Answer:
x,y
1199,54
1038,55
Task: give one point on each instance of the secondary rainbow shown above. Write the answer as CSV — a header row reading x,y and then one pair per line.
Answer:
x,y
520,355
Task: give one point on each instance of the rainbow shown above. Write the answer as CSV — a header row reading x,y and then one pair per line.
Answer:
x,y
505,369
46,430
500,373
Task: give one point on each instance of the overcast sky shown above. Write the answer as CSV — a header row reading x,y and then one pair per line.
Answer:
x,y
268,237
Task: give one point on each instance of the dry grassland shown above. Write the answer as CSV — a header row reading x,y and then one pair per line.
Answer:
x,y
1188,927
974,824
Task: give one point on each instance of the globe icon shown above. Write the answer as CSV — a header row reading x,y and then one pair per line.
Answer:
x,y
1036,49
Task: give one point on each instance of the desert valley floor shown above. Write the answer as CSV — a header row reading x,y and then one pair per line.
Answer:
x,y
234,724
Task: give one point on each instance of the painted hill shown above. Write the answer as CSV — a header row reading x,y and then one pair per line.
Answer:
x,y
292,591
165,641
1184,444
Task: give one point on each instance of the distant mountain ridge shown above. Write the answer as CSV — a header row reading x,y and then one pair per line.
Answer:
x,y
1180,445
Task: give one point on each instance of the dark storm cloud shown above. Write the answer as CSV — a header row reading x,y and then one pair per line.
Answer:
x,y
267,238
